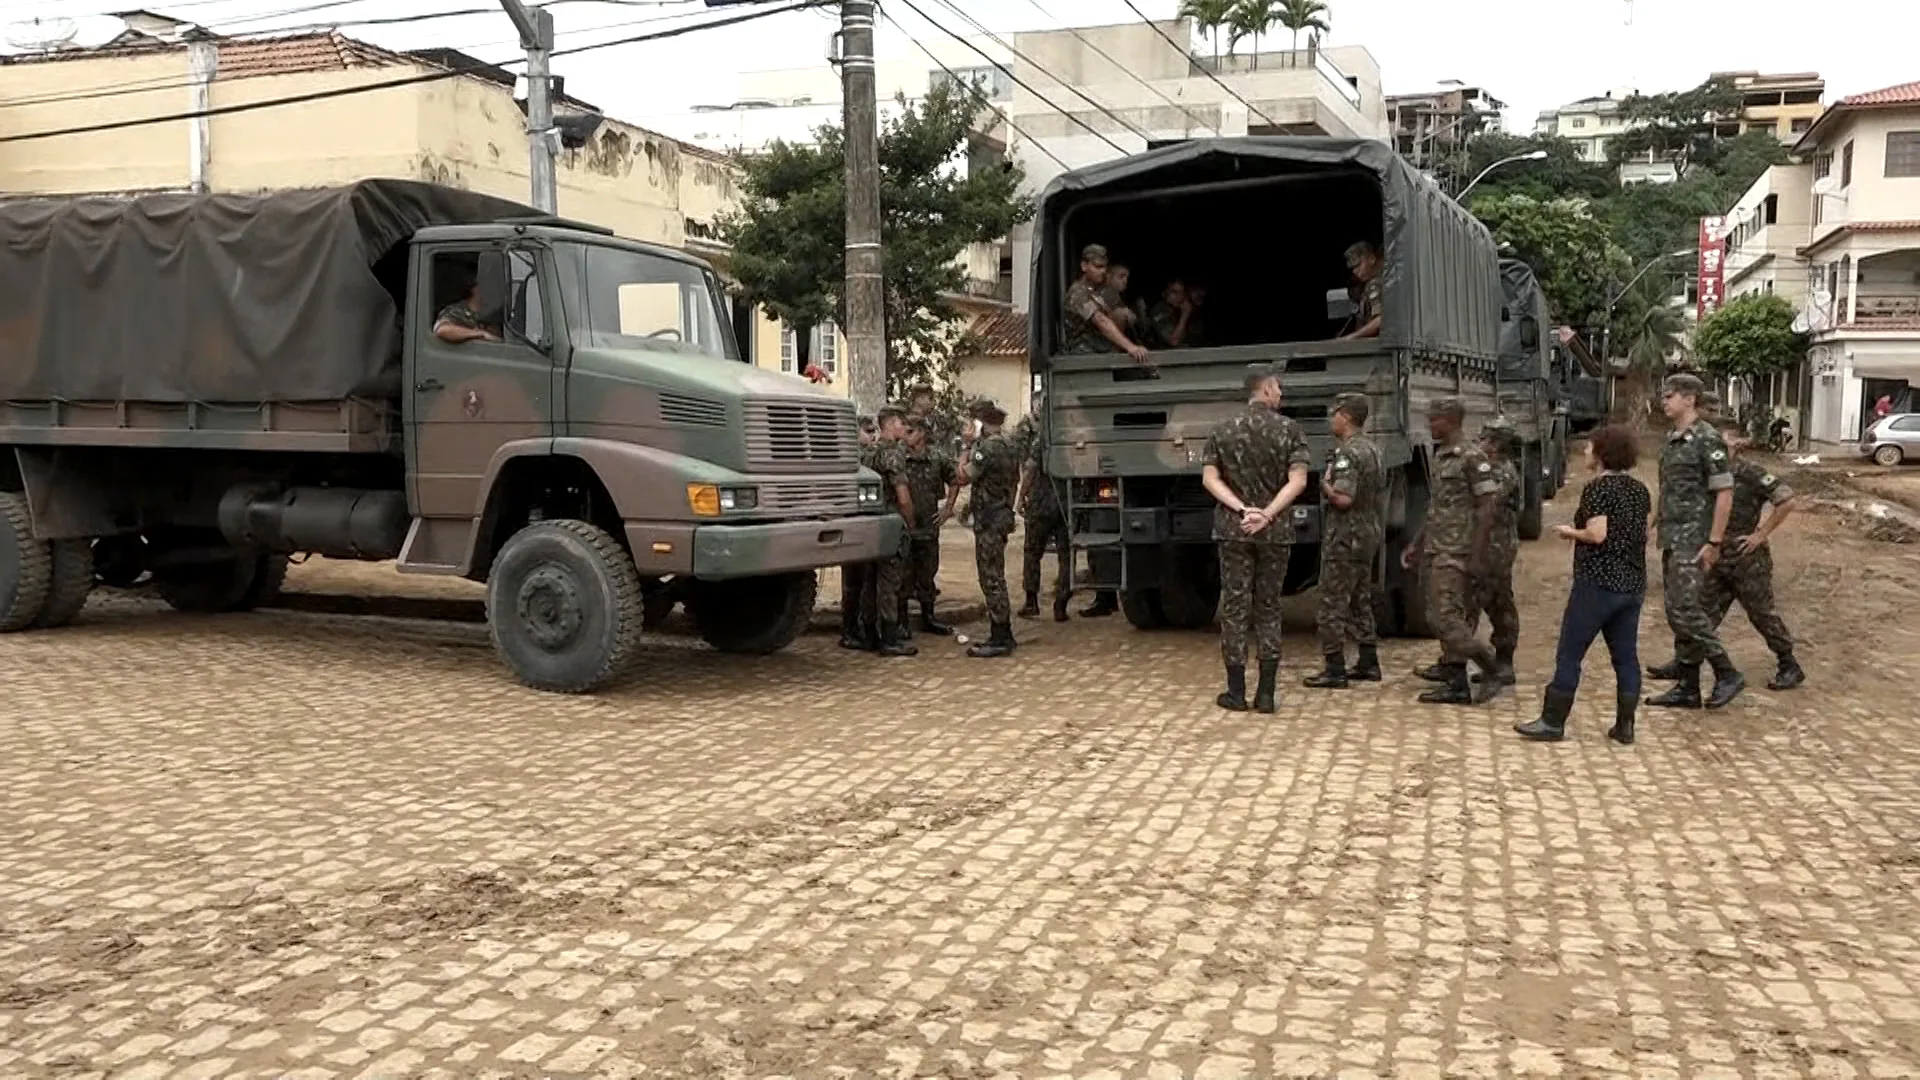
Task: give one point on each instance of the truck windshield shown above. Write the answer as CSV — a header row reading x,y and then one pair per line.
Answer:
x,y
621,299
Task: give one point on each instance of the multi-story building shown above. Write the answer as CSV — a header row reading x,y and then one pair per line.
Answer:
x,y
1590,123
1431,128
1783,105
1766,228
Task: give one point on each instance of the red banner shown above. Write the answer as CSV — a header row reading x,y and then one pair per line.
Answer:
x,y
1713,265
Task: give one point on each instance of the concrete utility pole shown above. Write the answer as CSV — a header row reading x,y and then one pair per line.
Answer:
x,y
536,36
865,286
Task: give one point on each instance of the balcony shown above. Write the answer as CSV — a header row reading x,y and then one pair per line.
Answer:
x,y
1284,60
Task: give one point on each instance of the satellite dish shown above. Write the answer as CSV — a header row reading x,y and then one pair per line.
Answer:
x,y
42,35
1802,324
1827,185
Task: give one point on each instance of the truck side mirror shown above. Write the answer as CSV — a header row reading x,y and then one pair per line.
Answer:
x,y
1340,306
1529,333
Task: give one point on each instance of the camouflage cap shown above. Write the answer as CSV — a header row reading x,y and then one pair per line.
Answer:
x,y
1447,406
1498,423
867,423
977,403
1357,406
1093,253
1267,370
992,414
1685,384
1709,400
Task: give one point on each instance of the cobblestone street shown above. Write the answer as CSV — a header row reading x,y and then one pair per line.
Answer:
x,y
297,845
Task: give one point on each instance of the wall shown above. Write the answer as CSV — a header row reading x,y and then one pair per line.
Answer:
x,y
1005,379
131,159
332,141
1873,196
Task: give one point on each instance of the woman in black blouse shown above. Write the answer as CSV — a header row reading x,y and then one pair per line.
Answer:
x,y
1609,537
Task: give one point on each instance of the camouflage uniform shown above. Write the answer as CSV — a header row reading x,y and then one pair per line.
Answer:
x,y
1350,546
1461,477
1080,335
1493,589
1045,513
1253,452
1162,320
1749,578
880,602
459,314
1693,469
994,472
1372,300
930,471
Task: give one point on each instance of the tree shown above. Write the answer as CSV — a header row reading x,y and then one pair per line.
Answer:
x,y
789,235
1647,328
1562,174
1251,18
1569,248
1209,16
1682,126
1298,15
1751,335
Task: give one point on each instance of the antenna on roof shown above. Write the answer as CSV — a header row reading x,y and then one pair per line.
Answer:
x,y
42,35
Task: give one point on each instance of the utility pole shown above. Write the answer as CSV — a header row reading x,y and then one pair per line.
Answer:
x,y
865,289
536,36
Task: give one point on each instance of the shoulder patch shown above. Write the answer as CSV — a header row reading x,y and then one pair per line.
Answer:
x,y
978,456
1766,478
1718,455
1484,467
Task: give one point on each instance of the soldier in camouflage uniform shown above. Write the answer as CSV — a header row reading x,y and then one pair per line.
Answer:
x,y
881,597
993,471
1255,466
1089,327
1696,501
1044,509
1170,322
931,477
1352,496
1130,318
857,578
943,431
1746,572
1363,259
1493,595
460,322
1709,409
1460,513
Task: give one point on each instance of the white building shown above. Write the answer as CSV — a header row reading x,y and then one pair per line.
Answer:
x,y
1767,227
1590,123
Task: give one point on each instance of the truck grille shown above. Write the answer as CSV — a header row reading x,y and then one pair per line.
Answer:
x,y
811,498
784,435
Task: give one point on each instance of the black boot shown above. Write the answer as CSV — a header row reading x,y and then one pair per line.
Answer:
x,y
1060,608
1105,603
1453,690
1552,725
932,625
1264,696
861,638
893,642
1367,668
1331,677
1437,673
1666,672
1030,609
850,630
999,643
1489,684
1625,705
902,621
1727,683
1685,693
1503,666
1789,676
1235,699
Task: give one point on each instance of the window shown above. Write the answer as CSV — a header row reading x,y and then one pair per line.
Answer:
x,y
825,351
1801,125
991,81
1903,153
1770,210
1823,165
1846,165
1579,121
1905,423
619,298
526,308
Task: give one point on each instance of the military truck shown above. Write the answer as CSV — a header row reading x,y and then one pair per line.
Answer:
x,y
194,389
1530,397
1265,222
1584,380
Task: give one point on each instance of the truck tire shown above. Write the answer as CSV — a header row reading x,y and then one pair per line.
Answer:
x,y
754,616
1190,592
1532,506
240,583
564,606
71,583
26,567
1142,609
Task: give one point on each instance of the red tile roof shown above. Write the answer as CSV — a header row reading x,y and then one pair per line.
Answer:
x,y
1003,333
241,57
1904,94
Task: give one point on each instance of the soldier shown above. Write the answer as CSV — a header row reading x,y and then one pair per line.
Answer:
x,y
1255,467
1493,595
1089,325
460,322
1351,493
881,606
1696,501
1128,317
1746,573
993,470
1453,541
1170,320
1363,259
943,432
1710,408
931,478
1197,324
1044,508
857,578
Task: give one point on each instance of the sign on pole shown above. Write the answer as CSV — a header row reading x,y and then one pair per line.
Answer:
x,y
1713,265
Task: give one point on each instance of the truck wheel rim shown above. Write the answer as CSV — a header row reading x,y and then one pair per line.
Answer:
x,y
549,607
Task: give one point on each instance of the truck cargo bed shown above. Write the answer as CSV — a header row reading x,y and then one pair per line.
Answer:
x,y
347,426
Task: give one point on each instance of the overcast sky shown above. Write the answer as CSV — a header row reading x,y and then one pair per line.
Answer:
x,y
1533,54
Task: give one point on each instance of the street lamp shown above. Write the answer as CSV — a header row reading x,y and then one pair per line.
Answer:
x,y
1531,155
1606,344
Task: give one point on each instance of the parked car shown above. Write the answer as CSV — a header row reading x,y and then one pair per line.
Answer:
x,y
1892,439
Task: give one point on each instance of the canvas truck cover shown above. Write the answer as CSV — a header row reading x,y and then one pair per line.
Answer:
x,y
1523,299
1442,277
210,298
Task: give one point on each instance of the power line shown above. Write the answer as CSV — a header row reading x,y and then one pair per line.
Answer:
x,y
977,94
1089,129
1175,46
1129,72
1030,62
414,80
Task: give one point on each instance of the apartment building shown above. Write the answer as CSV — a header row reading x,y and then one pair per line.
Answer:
x,y
1590,123
1766,228
1430,128
1785,106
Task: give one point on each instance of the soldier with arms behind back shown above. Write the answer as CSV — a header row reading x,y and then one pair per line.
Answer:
x,y
1493,595
1351,493
1696,502
993,471
931,478
888,457
1457,532
1255,468
857,578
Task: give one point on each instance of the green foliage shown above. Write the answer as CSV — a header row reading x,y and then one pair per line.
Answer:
x,y
789,236
1251,19
1569,248
1751,335
1210,16
1563,174
1679,125
1298,15
1647,329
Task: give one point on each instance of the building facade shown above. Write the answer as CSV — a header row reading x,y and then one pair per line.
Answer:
x,y
1784,106
1431,128
1590,123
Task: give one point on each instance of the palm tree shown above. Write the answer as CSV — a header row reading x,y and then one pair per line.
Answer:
x,y
1648,330
1252,18
1209,16
1298,15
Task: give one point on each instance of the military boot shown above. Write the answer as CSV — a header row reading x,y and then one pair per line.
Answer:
x,y
1453,690
901,621
1030,609
1503,666
1105,603
1367,668
1625,705
1060,608
1789,676
931,624
1727,683
999,643
1666,672
1332,677
850,629
894,643
1552,725
1685,693
1436,673
1265,696
1235,698
1489,684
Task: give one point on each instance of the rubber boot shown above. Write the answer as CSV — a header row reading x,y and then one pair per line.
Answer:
x,y
894,643
1552,725
1367,668
1105,603
1331,677
1503,666
1030,609
1265,695
1437,673
1666,672
1454,690
932,625
1625,705
1488,685
850,631
1685,693
1235,698
903,621
999,643
1727,683
1060,608
1789,676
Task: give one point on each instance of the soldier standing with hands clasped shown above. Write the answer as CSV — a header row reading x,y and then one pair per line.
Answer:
x,y
888,457
1351,530
1255,467
1696,502
1454,542
993,470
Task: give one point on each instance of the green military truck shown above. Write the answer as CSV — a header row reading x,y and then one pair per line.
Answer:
x,y
1265,222
194,389
1530,396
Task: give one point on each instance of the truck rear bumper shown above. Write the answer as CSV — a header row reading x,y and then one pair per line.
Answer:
x,y
721,552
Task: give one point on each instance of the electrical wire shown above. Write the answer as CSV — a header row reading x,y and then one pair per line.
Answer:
x,y
1175,46
1018,81
1129,72
977,94
413,80
1035,65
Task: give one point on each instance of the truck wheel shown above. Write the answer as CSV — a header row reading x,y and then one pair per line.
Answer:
x,y
26,567
1532,515
240,583
1190,592
1142,609
754,616
564,606
72,583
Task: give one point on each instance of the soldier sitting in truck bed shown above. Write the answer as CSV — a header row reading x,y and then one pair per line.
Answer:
x,y
459,322
1363,259
1089,328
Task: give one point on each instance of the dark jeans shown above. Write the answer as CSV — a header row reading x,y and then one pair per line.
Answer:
x,y
1593,612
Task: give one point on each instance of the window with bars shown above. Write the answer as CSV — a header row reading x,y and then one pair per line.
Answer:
x,y
1903,153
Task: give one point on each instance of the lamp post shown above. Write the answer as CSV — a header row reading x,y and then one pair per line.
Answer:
x,y
1532,155
1606,347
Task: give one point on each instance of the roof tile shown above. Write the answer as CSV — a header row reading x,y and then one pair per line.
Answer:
x,y
1903,94
1002,333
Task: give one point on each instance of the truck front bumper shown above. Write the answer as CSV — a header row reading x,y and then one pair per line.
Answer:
x,y
720,552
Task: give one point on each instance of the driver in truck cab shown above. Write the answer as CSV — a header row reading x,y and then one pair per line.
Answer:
x,y
1364,262
459,322
1089,327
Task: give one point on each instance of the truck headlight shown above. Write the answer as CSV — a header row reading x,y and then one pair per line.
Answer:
x,y
869,494
739,498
